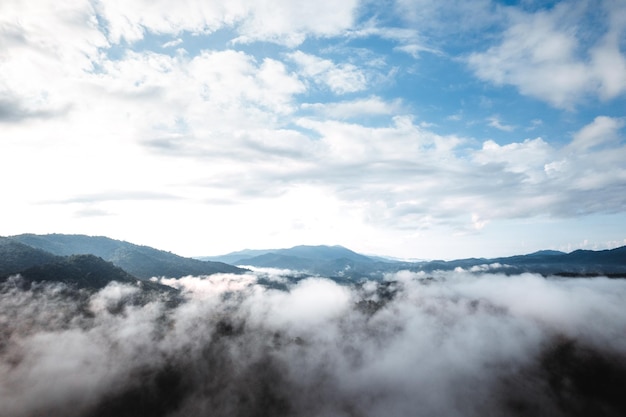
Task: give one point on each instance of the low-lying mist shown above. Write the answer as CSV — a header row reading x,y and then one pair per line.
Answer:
x,y
448,344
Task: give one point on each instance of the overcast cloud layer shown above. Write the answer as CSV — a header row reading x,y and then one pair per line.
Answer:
x,y
421,129
451,345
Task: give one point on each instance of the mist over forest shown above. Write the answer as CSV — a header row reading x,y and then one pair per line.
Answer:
x,y
262,343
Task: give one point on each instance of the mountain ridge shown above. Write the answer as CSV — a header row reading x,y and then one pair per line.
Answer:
x,y
78,273
546,262
16,256
314,259
28,250
140,261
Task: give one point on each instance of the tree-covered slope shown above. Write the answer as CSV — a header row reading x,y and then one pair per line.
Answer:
x,y
16,256
141,261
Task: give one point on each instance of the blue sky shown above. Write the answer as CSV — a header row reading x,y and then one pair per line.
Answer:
x,y
410,128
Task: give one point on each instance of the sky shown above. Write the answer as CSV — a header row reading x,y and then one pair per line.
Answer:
x,y
408,128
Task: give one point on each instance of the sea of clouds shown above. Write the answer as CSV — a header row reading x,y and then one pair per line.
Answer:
x,y
445,344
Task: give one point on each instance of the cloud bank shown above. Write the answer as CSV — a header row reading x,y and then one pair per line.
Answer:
x,y
453,344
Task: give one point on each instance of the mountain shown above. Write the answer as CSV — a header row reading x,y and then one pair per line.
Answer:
x,y
545,253
339,262
141,261
323,253
313,253
333,261
88,272
610,262
16,256
20,252
85,271
238,257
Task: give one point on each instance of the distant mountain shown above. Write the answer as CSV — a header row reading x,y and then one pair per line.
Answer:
x,y
323,253
239,256
316,253
546,253
339,262
141,261
334,261
610,262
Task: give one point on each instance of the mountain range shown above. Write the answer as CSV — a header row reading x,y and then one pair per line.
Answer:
x,y
316,260
337,261
93,261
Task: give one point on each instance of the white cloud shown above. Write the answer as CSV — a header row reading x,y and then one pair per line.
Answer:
x,y
525,158
371,106
285,22
339,78
416,49
173,43
608,60
410,40
40,43
603,130
494,121
290,22
543,54
409,177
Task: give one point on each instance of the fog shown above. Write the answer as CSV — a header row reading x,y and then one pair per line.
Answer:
x,y
445,344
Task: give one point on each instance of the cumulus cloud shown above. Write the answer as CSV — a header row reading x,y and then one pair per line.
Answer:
x,y
545,55
527,158
454,343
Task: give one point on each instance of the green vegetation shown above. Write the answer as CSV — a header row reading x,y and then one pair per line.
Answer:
x,y
16,256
